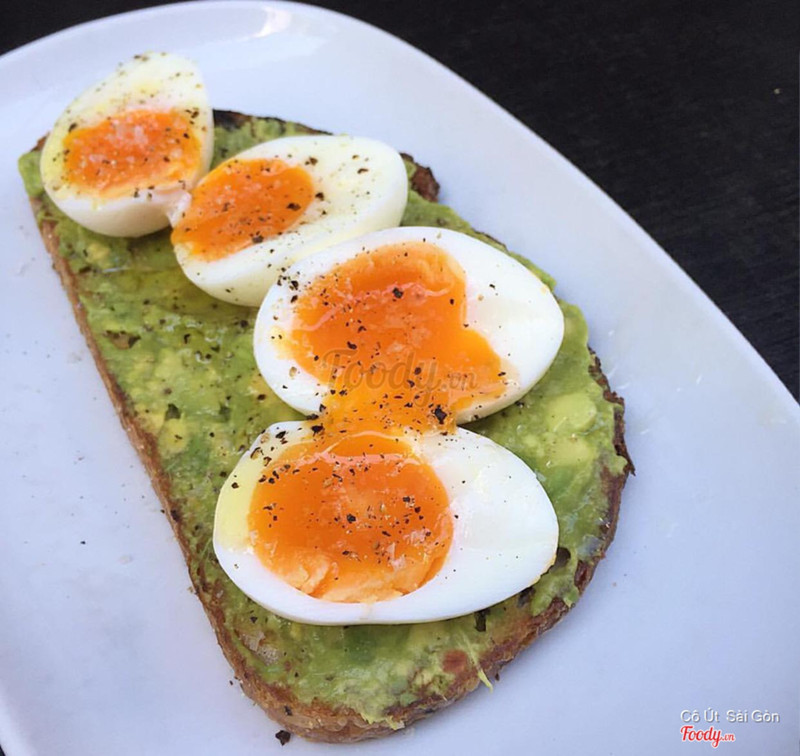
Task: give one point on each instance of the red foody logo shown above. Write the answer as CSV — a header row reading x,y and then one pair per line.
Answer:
x,y
712,735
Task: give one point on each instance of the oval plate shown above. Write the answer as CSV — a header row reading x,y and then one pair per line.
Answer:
x,y
103,647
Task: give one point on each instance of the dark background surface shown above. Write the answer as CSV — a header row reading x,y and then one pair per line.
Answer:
x,y
683,111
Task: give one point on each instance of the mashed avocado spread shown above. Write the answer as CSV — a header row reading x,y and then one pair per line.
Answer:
x,y
185,363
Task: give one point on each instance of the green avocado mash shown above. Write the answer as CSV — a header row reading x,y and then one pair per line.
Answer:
x,y
185,363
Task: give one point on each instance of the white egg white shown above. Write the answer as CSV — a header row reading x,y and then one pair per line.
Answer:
x,y
505,533
360,186
154,81
506,303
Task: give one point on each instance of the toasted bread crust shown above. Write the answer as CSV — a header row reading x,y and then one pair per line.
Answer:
x,y
321,720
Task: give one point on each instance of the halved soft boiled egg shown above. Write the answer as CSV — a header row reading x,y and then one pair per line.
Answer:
x,y
122,156
329,529
280,201
412,325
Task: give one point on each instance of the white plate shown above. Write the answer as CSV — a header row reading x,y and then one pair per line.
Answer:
x,y
102,647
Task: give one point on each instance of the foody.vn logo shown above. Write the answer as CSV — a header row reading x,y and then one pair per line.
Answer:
x,y
712,735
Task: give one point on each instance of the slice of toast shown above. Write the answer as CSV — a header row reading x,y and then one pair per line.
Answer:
x,y
179,369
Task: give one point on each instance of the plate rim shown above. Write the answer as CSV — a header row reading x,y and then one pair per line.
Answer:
x,y
657,253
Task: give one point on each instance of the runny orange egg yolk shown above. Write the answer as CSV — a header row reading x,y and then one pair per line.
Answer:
x,y
360,519
243,202
353,515
133,149
387,332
